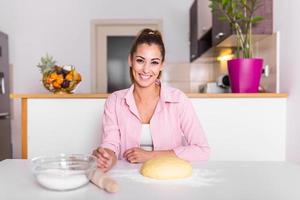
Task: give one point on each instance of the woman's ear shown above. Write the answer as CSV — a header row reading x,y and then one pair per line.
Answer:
x,y
129,61
162,66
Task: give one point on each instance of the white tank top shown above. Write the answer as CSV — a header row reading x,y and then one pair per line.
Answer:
x,y
146,138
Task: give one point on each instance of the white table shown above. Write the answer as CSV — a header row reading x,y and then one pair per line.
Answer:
x,y
220,180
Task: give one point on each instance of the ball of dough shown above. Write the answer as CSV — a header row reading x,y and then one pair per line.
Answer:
x,y
166,167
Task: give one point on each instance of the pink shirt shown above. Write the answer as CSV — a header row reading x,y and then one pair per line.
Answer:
x,y
174,125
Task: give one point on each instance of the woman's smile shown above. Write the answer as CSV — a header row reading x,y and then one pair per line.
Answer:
x,y
145,77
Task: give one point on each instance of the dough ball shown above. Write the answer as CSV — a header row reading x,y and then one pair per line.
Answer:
x,y
166,167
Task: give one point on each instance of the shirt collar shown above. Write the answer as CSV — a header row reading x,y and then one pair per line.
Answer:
x,y
167,95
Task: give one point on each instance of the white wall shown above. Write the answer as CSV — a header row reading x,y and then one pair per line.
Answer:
x,y
286,20
62,28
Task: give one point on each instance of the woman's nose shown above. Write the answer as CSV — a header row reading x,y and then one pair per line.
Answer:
x,y
146,67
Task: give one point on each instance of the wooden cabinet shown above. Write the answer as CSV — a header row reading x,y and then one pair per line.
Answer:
x,y
200,26
204,17
221,30
193,31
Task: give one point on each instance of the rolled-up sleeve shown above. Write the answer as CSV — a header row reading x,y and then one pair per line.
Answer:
x,y
197,148
110,131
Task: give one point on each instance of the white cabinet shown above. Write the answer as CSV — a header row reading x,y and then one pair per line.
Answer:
x,y
241,129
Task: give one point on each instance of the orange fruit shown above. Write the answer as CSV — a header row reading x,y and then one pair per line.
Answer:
x,y
69,77
56,84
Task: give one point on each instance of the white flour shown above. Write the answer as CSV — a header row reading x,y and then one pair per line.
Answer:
x,y
200,177
58,179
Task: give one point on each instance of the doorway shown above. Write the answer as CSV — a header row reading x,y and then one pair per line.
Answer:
x,y
111,41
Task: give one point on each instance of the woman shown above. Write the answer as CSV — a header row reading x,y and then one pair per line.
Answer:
x,y
149,119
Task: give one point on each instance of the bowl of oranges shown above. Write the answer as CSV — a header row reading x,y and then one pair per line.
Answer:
x,y
58,79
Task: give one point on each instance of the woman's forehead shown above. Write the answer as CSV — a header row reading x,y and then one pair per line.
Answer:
x,y
148,51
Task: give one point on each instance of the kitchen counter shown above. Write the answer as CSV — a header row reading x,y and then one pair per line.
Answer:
x,y
210,181
233,123
191,95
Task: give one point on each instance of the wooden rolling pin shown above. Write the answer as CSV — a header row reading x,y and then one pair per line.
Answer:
x,y
103,181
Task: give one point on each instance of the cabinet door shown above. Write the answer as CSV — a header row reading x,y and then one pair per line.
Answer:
x,y
220,30
193,31
204,17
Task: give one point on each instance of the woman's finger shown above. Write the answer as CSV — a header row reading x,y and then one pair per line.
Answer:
x,y
128,152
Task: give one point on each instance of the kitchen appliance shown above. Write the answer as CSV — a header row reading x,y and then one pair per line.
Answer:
x,y
5,127
222,85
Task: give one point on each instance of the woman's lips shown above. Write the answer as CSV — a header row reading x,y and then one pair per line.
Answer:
x,y
145,77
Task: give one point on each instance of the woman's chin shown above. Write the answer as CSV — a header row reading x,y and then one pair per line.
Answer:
x,y
145,83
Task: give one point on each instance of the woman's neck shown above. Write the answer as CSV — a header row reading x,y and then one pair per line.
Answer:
x,y
146,94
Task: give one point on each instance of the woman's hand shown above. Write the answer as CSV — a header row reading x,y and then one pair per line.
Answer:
x,y
137,155
106,158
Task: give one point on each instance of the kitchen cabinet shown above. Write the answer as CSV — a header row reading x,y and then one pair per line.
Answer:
x,y
221,30
200,27
227,120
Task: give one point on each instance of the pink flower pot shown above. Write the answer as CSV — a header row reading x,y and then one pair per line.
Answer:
x,y
245,74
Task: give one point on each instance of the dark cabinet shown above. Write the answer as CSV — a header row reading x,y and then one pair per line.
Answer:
x,y
221,30
193,31
200,28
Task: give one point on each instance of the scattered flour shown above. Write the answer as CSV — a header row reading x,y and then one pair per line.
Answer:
x,y
57,179
200,177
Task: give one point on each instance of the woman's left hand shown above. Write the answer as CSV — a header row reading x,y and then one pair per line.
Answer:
x,y
137,155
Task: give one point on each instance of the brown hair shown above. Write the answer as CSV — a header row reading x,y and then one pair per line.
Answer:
x,y
148,36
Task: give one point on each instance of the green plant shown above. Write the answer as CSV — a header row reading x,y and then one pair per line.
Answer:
x,y
46,64
240,16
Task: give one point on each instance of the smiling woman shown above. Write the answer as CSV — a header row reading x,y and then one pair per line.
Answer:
x,y
149,119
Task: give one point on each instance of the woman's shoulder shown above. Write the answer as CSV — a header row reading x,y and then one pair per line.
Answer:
x,y
172,94
118,94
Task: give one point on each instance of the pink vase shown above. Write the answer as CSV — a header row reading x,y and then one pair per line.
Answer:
x,y
244,74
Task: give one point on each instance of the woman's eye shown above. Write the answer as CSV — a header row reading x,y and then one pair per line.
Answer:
x,y
139,61
155,63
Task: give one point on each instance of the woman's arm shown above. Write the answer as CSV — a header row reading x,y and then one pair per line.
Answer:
x,y
197,148
138,155
109,149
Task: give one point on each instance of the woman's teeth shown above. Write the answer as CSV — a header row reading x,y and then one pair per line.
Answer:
x,y
145,77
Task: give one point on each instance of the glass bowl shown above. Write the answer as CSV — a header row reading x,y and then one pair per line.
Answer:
x,y
63,172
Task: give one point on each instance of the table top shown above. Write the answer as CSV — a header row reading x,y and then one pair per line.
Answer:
x,y
211,180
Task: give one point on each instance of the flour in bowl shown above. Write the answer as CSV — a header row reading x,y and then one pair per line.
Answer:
x,y
58,179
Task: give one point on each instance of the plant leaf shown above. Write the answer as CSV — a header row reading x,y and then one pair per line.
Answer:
x,y
257,19
222,18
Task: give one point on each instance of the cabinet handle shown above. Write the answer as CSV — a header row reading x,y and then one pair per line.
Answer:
x,y
220,35
2,87
4,116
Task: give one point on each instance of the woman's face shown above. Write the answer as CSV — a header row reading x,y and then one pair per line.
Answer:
x,y
146,64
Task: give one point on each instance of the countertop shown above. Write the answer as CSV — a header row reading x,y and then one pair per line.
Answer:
x,y
191,95
210,181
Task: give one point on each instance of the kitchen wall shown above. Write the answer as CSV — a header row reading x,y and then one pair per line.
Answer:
x,y
286,21
62,29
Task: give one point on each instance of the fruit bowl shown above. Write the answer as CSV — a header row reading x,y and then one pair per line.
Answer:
x,y
63,172
58,79
61,79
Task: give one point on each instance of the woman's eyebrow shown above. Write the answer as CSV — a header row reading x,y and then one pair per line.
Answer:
x,y
145,58
155,59
140,57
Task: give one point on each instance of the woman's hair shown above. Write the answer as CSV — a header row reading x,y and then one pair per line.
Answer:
x,y
147,36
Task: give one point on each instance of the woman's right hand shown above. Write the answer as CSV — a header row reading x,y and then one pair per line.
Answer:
x,y
105,158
